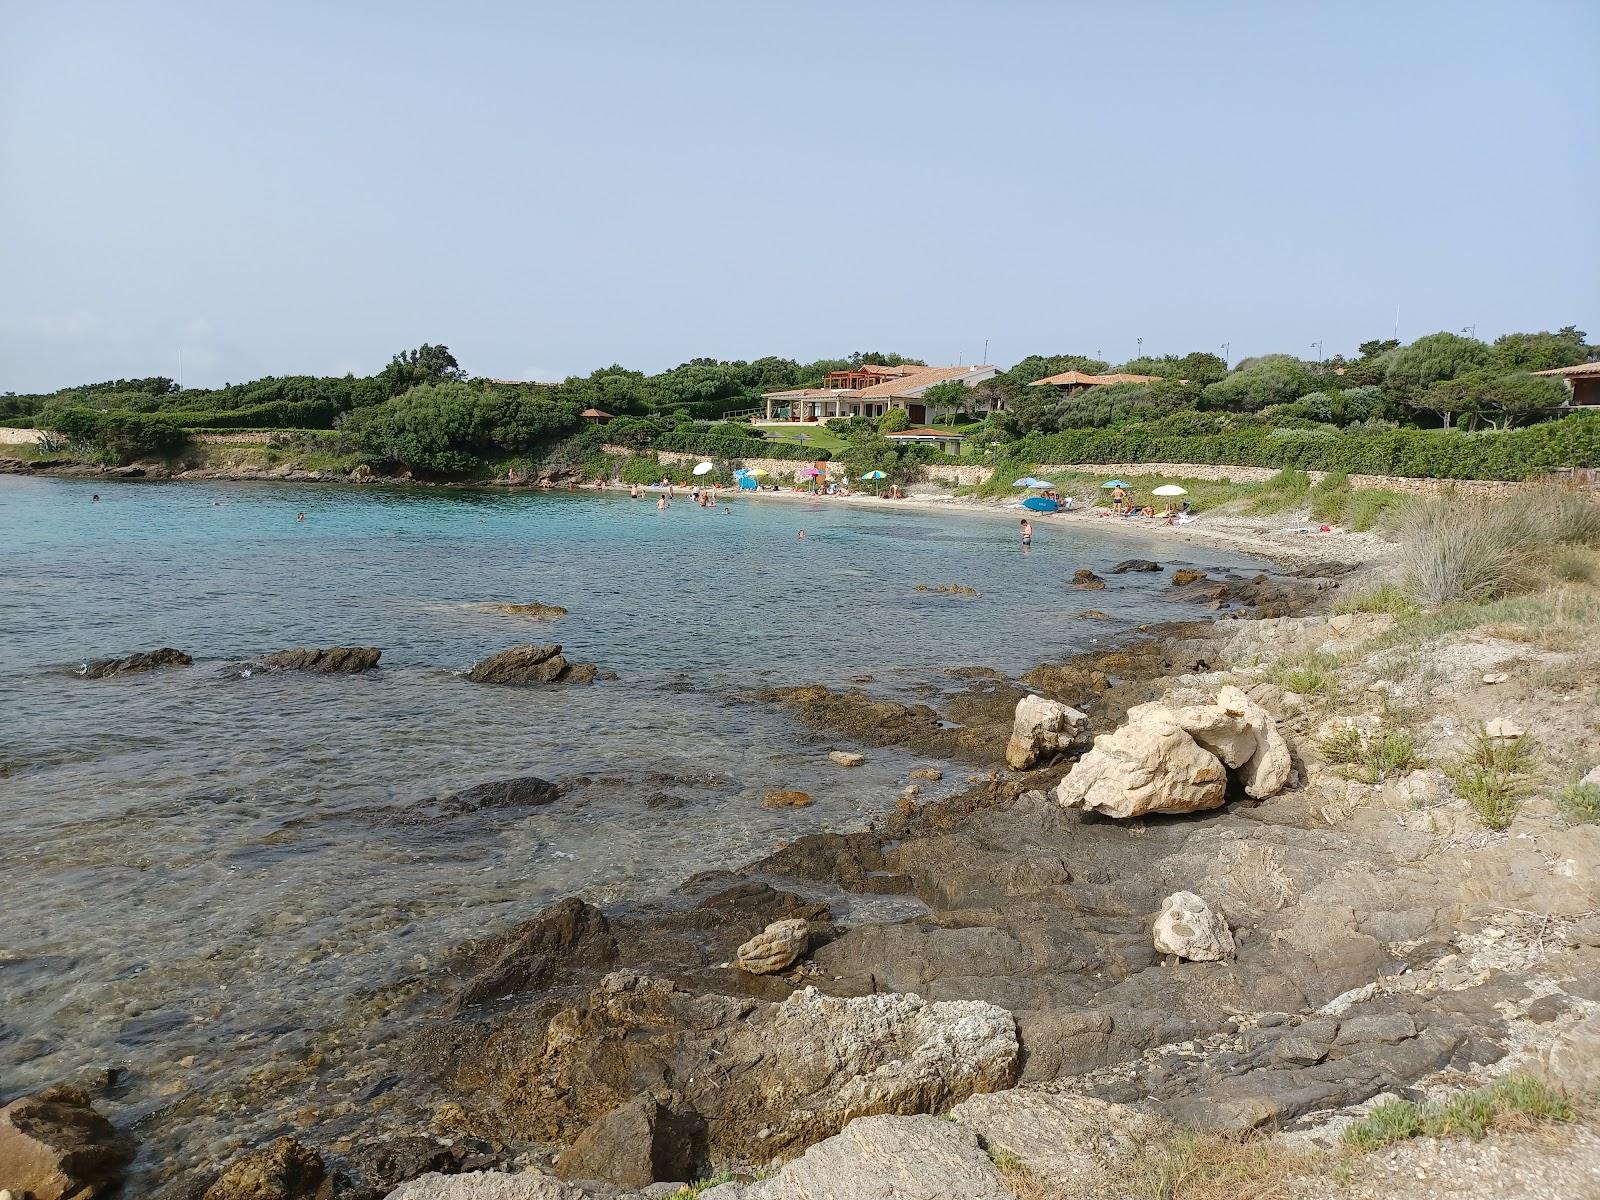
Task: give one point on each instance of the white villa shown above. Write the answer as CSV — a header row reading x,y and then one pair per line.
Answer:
x,y
870,390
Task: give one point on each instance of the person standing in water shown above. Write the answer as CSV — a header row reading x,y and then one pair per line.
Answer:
x,y
1027,532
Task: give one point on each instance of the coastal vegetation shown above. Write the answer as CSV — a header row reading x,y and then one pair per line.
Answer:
x,y
1444,406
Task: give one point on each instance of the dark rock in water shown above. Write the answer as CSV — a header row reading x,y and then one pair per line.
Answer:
x,y
1135,564
654,1138
143,660
54,1146
525,666
336,660
1087,580
567,934
1186,575
529,791
374,1169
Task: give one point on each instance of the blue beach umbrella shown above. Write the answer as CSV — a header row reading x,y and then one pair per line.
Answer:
x,y
1113,483
1039,504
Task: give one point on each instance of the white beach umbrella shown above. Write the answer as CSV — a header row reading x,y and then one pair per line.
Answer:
x,y
1170,489
704,468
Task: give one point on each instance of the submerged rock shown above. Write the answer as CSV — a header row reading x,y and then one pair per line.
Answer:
x,y
335,660
847,758
1149,766
1190,928
55,1146
1135,564
282,1170
774,948
1087,580
525,666
539,612
786,799
132,664
1186,575
1042,728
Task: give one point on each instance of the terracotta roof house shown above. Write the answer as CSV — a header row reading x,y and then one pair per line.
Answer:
x,y
1071,382
950,443
894,387
597,416
1583,381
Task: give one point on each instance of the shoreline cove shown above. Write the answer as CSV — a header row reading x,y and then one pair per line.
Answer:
x,y
523,1047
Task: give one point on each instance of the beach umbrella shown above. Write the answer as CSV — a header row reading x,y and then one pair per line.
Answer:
x,y
1039,504
1026,481
811,471
704,468
1170,489
1113,483
756,473
874,476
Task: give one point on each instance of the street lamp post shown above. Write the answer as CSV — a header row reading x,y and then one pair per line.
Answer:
x,y
1317,346
1139,344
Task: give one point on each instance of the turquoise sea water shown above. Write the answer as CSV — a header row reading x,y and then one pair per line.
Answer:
x,y
194,864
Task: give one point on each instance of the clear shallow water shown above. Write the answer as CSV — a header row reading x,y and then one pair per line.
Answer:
x,y
195,864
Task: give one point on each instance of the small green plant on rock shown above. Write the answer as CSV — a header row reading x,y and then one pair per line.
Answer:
x,y
1493,776
1580,803
1312,674
1469,1114
1389,598
1387,753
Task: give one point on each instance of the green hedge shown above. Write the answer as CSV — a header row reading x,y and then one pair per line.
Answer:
x,y
1572,441
279,414
736,447
116,433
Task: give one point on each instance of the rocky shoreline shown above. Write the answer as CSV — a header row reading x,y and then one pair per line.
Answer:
x,y
1040,985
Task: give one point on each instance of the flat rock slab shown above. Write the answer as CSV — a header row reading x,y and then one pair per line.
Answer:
x,y
487,1185
884,1158
1065,1139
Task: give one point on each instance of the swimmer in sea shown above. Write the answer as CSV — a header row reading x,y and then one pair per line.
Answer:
x,y
1027,532
300,517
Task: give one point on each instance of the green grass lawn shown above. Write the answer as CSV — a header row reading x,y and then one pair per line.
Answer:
x,y
814,436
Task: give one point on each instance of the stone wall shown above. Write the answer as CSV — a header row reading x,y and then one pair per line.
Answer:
x,y
773,466
246,437
20,437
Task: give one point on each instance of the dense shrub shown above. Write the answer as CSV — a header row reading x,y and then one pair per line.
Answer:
x,y
282,414
449,428
686,442
118,435
1573,441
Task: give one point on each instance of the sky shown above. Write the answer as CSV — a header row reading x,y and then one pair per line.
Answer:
x,y
237,190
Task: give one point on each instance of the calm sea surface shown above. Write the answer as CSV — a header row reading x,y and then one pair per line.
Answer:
x,y
193,864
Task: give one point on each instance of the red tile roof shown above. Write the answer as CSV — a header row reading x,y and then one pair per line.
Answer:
x,y
1080,379
1581,371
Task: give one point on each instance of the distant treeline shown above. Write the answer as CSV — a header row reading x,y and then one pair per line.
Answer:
x,y
1444,405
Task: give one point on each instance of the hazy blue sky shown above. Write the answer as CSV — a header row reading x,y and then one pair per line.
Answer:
x,y
285,187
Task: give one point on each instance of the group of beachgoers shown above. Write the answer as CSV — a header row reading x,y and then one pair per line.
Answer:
x,y
1172,514
703,497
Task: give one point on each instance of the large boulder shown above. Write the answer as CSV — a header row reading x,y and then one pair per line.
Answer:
x,y
775,947
526,666
1190,928
1042,728
1244,736
767,1078
281,1170
334,660
652,1138
1135,564
54,1146
1059,1138
1150,766
133,664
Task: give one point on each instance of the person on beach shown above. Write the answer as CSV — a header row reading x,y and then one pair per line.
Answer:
x,y
1117,498
1027,533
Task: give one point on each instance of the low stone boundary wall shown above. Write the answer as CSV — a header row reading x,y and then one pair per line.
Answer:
x,y
20,437
247,437
773,466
